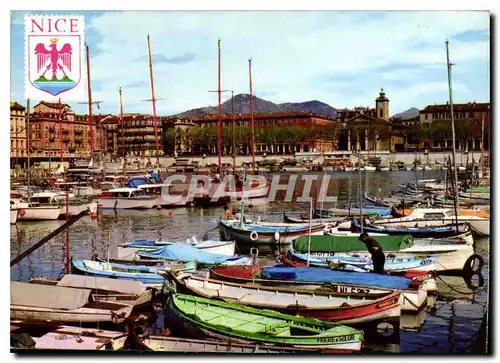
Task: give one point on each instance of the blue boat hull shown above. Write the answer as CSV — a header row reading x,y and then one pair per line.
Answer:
x,y
128,272
318,274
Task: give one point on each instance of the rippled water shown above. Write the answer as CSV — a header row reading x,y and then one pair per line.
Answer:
x,y
454,326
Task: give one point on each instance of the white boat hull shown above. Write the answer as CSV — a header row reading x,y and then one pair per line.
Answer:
x,y
478,224
39,213
75,209
481,227
74,338
226,249
354,346
13,216
79,315
127,203
171,202
447,257
413,301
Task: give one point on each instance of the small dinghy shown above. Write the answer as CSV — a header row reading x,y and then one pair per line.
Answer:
x,y
305,219
329,306
186,345
264,236
438,231
186,252
105,289
144,274
227,321
69,338
225,248
414,297
346,262
44,303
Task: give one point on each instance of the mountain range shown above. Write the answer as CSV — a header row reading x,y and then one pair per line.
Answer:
x,y
242,105
408,114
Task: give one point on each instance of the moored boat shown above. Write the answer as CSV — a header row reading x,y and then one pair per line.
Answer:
x,y
226,248
304,219
144,274
160,343
347,262
442,231
14,212
105,289
185,252
71,338
329,306
449,254
414,295
126,198
164,199
478,220
266,237
44,303
227,321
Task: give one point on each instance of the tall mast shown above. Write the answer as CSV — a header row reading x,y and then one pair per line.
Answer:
x,y
60,131
122,127
219,112
455,178
251,115
153,101
482,146
234,132
89,95
28,143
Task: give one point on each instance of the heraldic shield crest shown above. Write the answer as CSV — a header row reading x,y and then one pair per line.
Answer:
x,y
54,54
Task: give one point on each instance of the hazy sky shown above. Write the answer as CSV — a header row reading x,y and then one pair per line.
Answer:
x,y
342,58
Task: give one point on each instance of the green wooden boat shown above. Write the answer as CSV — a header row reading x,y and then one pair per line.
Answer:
x,y
199,316
329,244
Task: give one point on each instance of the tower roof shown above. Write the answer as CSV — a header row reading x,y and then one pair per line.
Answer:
x,y
381,96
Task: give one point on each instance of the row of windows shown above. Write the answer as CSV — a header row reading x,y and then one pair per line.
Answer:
x,y
17,143
446,115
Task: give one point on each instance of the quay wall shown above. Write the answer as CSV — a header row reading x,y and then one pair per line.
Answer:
x,y
407,158
386,157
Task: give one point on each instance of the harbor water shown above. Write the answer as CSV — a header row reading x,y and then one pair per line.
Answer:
x,y
457,323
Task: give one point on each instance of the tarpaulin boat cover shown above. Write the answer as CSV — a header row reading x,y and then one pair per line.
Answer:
x,y
136,181
102,283
320,243
46,296
185,252
319,274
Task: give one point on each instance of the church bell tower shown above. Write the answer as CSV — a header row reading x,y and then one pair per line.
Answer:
x,y
382,106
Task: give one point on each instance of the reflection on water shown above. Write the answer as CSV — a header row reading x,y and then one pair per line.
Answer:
x,y
452,325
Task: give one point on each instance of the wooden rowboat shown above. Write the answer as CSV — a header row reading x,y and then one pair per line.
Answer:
x,y
264,236
414,298
127,292
145,274
41,303
185,345
71,338
219,247
341,309
227,321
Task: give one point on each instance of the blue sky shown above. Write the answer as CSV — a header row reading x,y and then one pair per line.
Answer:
x,y
342,58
